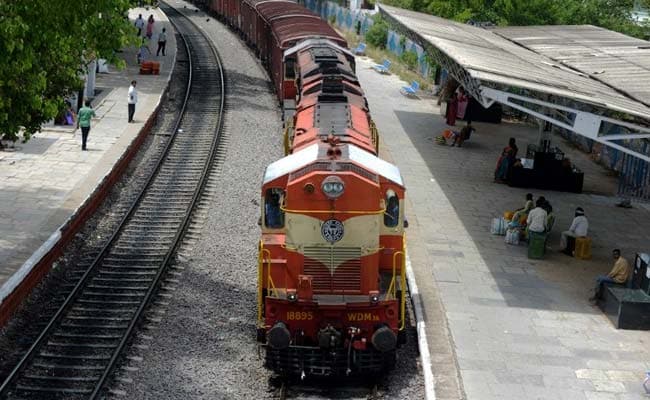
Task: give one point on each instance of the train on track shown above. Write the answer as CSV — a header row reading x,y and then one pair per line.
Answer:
x,y
331,283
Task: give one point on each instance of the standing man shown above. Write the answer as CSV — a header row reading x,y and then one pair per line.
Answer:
x,y
162,42
84,116
139,23
619,274
133,99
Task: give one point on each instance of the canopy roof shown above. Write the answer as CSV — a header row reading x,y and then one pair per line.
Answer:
x,y
583,78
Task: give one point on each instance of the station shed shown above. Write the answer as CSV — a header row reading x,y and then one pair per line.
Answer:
x,y
585,79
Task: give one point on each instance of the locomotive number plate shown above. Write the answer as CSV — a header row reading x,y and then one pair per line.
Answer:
x,y
299,316
332,230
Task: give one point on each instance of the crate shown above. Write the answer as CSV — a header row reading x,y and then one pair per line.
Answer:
x,y
155,67
583,248
536,245
146,68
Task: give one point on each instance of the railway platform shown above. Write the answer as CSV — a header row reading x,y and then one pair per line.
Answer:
x,y
500,325
48,186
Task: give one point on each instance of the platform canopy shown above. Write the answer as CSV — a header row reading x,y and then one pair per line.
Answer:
x,y
589,80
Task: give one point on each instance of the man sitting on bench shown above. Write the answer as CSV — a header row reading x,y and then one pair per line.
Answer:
x,y
619,274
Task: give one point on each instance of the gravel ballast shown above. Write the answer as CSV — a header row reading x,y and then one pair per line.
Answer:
x,y
203,346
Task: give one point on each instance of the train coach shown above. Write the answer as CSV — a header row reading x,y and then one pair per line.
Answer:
x,y
331,265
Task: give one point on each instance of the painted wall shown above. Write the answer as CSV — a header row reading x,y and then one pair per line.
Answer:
x,y
346,19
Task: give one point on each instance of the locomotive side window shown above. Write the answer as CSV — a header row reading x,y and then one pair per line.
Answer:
x,y
273,214
289,72
391,215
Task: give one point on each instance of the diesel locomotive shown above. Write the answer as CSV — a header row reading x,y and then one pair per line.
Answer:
x,y
331,263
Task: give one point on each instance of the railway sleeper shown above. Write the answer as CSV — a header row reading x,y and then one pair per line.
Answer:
x,y
112,294
42,389
140,259
127,273
116,287
111,279
70,368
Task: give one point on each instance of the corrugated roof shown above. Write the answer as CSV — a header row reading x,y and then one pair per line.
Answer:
x,y
617,60
490,57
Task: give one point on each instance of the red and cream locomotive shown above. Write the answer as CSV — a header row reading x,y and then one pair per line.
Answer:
x,y
331,265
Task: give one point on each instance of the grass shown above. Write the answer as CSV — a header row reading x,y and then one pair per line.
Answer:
x,y
379,55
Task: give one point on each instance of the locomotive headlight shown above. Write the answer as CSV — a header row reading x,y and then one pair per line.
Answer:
x,y
333,187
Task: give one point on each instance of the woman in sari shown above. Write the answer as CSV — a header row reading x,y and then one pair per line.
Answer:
x,y
505,162
452,110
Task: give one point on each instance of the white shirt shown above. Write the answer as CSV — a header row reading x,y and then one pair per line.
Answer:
x,y
579,226
537,220
139,23
133,95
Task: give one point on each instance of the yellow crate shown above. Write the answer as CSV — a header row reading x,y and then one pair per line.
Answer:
x,y
583,248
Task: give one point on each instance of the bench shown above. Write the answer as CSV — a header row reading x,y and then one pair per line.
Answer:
x,y
410,90
382,68
360,49
627,308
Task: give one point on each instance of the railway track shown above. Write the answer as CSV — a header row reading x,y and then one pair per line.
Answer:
x,y
78,349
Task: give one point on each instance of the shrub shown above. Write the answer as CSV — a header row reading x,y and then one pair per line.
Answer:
x,y
410,59
377,35
332,19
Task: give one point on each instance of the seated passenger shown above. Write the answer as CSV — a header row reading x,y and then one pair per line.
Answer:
x,y
464,134
619,274
537,218
520,213
579,228
272,212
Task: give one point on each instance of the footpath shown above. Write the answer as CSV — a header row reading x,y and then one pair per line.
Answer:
x,y
48,186
499,325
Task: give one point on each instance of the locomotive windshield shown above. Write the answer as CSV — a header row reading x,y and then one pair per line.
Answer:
x,y
273,214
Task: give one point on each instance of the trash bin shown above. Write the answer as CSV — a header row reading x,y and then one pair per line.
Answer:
x,y
536,245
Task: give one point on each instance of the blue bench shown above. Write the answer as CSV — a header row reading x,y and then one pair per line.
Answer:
x,y
382,68
410,90
360,50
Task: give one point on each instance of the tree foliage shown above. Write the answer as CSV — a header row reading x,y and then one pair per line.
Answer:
x,y
611,14
45,47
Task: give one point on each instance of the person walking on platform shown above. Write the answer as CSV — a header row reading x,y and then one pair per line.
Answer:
x,y
133,100
150,23
162,42
144,48
619,274
139,23
86,113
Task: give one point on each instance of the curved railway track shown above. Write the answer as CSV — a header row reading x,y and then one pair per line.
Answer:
x,y
79,347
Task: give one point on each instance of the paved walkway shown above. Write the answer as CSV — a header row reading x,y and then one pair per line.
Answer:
x,y
44,181
507,326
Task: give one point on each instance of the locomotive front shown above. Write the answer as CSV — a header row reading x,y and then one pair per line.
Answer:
x,y
331,262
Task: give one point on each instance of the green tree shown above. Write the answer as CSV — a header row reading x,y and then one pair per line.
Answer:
x,y
611,14
45,46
